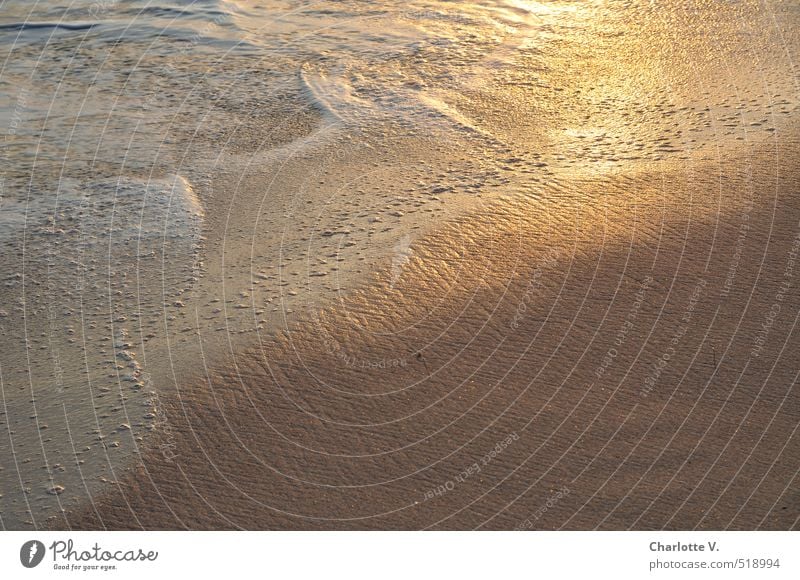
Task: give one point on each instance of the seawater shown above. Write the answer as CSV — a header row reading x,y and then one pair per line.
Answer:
x,y
354,122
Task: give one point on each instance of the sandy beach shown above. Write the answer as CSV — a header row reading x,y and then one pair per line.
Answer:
x,y
577,366
506,265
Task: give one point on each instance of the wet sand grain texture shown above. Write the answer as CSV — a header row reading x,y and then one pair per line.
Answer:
x,y
405,265
617,353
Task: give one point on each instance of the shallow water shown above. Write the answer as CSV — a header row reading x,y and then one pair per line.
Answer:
x,y
178,173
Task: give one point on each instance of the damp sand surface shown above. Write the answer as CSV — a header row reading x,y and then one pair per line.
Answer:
x,y
515,374
405,266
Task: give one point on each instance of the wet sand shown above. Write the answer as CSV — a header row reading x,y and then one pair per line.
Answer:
x,y
423,264
611,353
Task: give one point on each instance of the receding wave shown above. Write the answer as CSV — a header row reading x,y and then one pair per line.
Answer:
x,y
47,25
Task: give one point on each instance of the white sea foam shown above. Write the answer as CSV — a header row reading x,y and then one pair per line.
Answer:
x,y
126,209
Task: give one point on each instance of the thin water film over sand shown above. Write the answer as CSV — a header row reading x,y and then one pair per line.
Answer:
x,y
399,265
